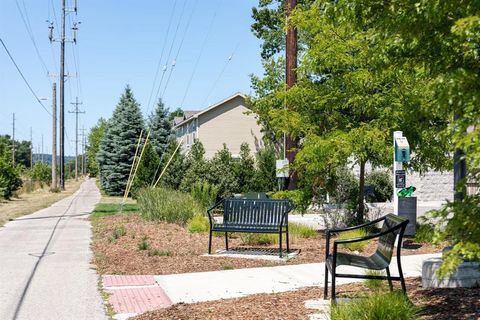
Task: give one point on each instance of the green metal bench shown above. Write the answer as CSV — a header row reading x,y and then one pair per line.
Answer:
x,y
251,216
392,226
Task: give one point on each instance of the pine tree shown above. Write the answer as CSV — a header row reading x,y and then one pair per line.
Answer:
x,y
196,166
160,128
147,170
117,147
221,174
245,168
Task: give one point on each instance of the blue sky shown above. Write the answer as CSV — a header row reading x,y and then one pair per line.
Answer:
x,y
119,43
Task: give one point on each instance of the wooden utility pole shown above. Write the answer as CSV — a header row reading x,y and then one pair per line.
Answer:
x,y
291,79
62,100
31,148
54,135
13,139
76,111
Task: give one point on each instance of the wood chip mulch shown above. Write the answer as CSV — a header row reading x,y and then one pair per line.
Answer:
x,y
438,304
170,248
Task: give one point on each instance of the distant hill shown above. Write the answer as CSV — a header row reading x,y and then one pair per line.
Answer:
x,y
47,158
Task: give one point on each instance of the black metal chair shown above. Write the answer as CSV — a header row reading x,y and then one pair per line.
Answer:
x,y
392,226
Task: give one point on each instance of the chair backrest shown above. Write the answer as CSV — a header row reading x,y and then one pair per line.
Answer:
x,y
393,225
256,211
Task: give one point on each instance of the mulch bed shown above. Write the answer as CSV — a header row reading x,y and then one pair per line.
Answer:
x,y
438,304
172,249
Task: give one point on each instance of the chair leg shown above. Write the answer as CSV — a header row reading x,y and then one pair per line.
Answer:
x,y
210,243
325,283
389,279
226,240
280,235
400,272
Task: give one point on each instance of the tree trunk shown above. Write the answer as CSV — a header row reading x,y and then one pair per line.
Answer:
x,y
361,206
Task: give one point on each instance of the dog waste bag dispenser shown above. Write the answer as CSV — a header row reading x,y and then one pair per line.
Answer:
x,y
402,150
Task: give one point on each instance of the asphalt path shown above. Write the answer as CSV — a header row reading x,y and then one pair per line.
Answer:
x,y
45,257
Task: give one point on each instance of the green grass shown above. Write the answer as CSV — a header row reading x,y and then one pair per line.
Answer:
x,y
117,233
424,233
379,306
159,253
110,209
375,284
356,246
301,231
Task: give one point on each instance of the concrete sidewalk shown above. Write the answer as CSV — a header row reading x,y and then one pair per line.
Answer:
x,y
45,270
216,285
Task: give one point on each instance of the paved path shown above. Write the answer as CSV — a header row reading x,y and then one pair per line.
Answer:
x,y
131,295
45,262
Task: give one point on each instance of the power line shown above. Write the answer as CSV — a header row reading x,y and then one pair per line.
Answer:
x,y
198,57
179,48
26,23
23,77
221,74
161,56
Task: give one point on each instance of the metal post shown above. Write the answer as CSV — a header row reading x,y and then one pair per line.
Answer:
x,y
54,135
396,166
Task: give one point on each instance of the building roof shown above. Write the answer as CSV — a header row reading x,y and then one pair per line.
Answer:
x,y
195,114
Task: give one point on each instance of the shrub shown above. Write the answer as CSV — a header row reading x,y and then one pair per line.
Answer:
x,y
198,224
299,198
355,246
159,253
222,174
166,205
42,173
258,238
204,193
424,233
383,186
380,306
9,178
119,232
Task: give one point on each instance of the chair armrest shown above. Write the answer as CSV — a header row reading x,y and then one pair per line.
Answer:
x,y
354,227
370,236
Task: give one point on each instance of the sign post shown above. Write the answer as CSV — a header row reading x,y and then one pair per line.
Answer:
x,y
399,177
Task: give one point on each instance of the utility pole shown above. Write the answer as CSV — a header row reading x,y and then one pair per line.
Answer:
x,y
291,79
62,41
83,171
76,111
13,139
31,148
42,148
54,135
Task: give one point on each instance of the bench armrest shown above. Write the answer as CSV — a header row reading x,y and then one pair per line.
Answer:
x,y
215,206
285,214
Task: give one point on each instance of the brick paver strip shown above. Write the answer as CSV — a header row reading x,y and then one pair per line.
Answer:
x,y
138,300
122,281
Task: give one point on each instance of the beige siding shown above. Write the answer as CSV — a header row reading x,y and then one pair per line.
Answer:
x,y
229,124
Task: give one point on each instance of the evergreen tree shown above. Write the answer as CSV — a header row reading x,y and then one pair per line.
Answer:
x,y
118,145
160,128
221,174
147,170
172,177
245,169
265,176
196,166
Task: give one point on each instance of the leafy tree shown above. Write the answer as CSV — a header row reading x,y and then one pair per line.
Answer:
x,y
160,128
245,169
196,166
383,186
177,113
94,137
10,180
221,173
173,175
22,150
118,144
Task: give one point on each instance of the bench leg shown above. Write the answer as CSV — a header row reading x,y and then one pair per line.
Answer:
x,y
226,240
325,283
280,243
288,246
210,243
389,279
